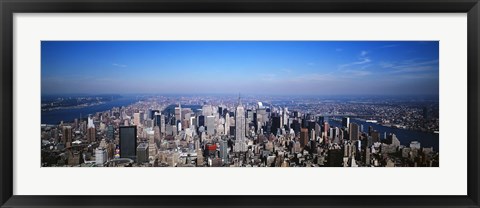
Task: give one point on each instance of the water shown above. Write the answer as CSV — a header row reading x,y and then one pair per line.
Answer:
x,y
403,135
67,115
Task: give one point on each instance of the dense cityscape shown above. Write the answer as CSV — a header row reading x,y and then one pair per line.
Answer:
x,y
244,131
240,103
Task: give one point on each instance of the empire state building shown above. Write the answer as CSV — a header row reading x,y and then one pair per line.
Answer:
x,y
240,143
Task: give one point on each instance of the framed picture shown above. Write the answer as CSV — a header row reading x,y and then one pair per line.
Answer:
x,y
239,103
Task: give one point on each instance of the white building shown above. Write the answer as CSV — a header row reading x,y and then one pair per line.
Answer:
x,y
100,156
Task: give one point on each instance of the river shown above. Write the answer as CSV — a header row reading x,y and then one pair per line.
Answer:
x,y
67,115
405,136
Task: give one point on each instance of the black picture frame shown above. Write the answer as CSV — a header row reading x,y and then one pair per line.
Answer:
x,y
9,7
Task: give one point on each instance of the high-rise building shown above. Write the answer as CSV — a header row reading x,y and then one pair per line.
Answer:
x,y
275,124
303,137
326,130
110,132
128,142
353,131
152,114
240,143
320,120
136,119
346,122
67,136
392,140
157,119
100,156
415,145
296,126
201,120
285,116
224,150
210,124
227,124
91,132
178,112
162,124
91,135
142,153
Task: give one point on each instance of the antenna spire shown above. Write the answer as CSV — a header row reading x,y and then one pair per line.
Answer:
x,y
239,101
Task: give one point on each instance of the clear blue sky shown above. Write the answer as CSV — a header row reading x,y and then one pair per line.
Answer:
x,y
247,67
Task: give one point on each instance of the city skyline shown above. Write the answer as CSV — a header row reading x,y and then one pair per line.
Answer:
x,y
246,67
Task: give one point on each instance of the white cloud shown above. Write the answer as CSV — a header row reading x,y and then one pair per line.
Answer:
x,y
411,65
363,59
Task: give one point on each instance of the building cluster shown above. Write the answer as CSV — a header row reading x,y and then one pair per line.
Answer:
x,y
229,134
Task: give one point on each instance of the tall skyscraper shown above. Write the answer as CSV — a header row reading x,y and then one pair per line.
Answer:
x,y
178,112
326,130
128,142
275,124
142,153
353,131
227,124
162,123
224,150
303,137
201,120
67,136
157,119
136,119
345,122
110,133
210,124
240,145
100,156
91,133
152,114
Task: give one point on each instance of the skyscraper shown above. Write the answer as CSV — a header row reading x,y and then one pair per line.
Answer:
x,y
157,118
128,142
353,131
210,124
201,120
275,124
100,156
67,136
345,122
178,112
162,123
110,132
240,145
227,124
136,119
91,135
303,137
142,153
91,130
224,150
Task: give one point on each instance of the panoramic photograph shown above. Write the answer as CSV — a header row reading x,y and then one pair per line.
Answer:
x,y
240,104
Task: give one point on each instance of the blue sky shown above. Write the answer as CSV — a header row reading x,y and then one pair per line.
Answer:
x,y
247,67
